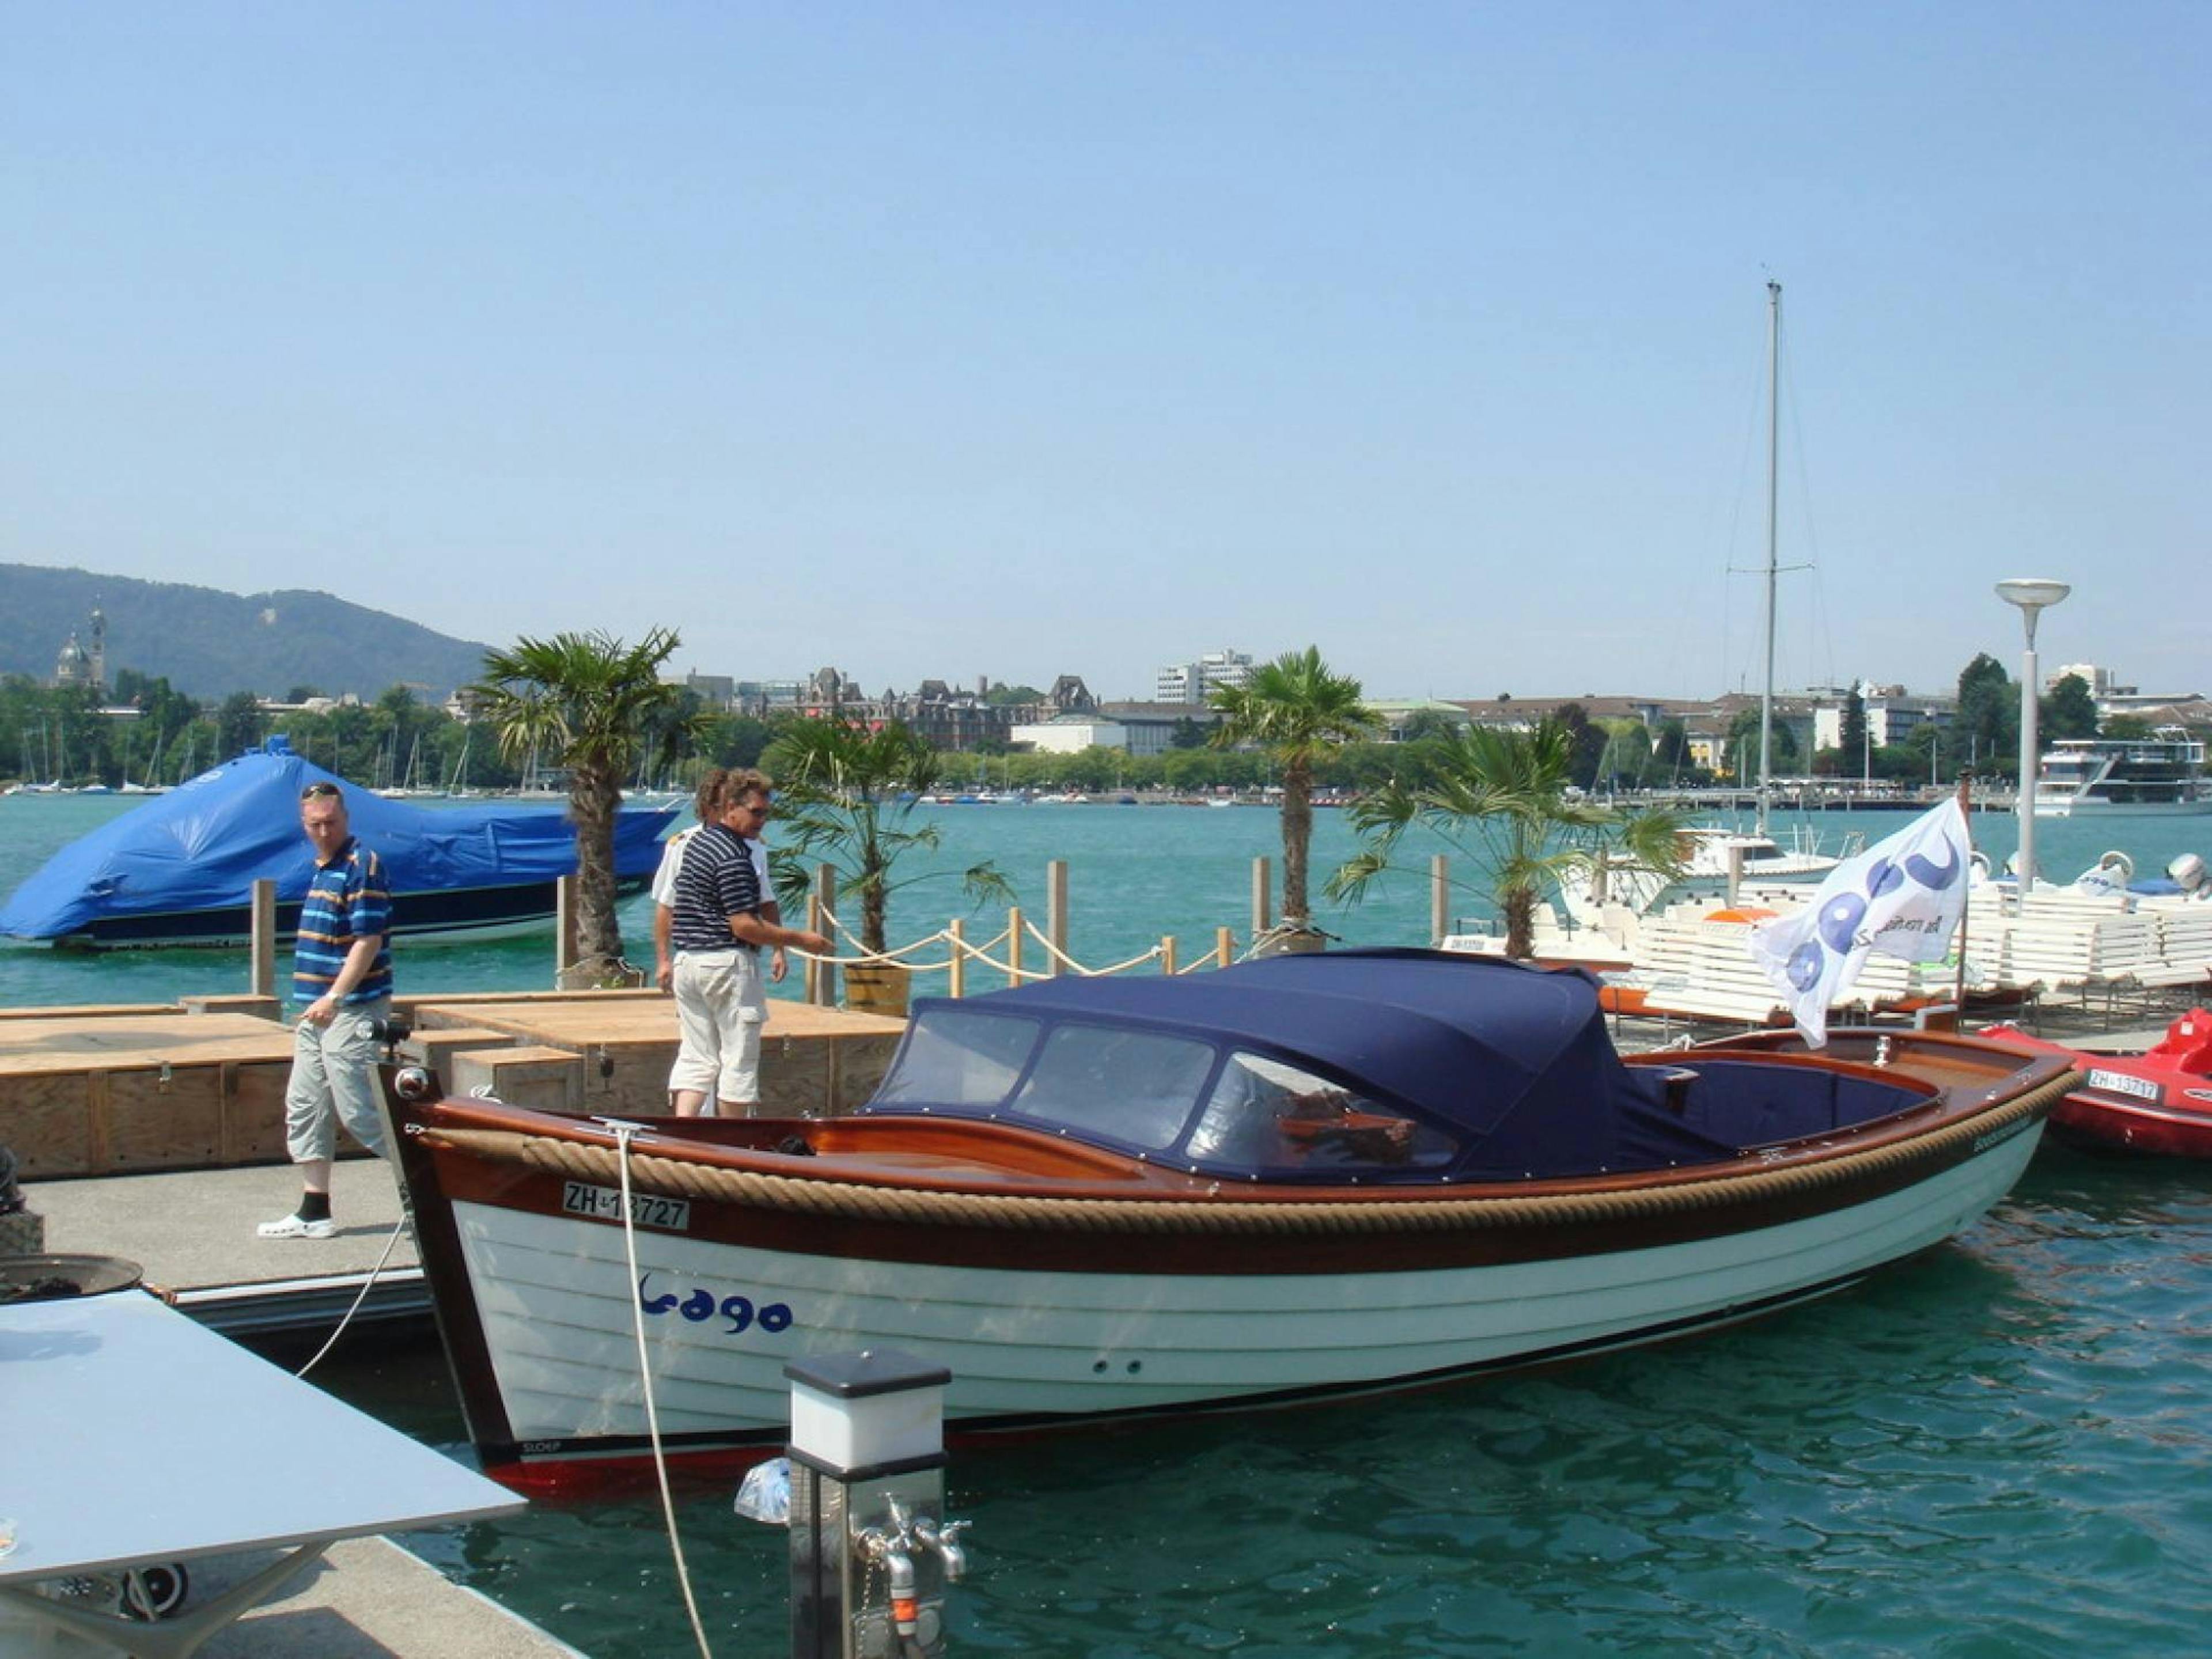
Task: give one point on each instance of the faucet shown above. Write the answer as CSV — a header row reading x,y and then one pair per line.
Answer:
x,y
945,1540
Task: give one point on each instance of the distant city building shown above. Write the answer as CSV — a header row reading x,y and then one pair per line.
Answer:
x,y
2114,698
1398,712
1070,734
1152,726
715,690
1193,681
1891,713
81,665
2099,680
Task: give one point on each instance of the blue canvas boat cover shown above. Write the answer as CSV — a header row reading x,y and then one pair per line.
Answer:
x,y
1513,1062
203,845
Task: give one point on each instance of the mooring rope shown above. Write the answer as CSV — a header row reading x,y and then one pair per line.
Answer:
x,y
1226,1214
621,1153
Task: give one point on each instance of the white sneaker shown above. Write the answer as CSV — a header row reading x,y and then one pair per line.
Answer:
x,y
292,1226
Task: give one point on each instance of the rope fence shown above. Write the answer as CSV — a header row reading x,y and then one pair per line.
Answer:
x,y
1003,958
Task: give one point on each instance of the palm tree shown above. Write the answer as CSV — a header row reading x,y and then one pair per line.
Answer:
x,y
845,796
591,705
1511,789
1299,713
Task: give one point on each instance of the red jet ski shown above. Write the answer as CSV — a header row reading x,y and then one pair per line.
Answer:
x,y
2157,1102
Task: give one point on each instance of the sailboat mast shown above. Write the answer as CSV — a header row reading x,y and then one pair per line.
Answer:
x,y
1773,456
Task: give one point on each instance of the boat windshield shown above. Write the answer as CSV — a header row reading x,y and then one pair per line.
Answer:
x,y
1264,1114
1155,1091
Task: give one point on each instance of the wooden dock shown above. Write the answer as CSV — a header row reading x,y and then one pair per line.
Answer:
x,y
122,1089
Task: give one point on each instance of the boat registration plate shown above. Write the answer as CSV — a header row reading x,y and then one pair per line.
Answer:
x,y
2120,1083
646,1209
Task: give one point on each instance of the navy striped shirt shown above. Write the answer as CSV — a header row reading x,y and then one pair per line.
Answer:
x,y
716,883
347,899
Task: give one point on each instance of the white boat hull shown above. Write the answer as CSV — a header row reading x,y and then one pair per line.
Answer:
x,y
557,1306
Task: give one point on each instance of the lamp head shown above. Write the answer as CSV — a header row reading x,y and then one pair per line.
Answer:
x,y
2032,593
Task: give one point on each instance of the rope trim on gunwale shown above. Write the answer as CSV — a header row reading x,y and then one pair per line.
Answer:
x,y
1217,1216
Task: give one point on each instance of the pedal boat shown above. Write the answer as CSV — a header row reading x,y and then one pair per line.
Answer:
x,y
1299,1177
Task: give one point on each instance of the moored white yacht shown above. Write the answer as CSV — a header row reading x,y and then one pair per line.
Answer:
x,y
2160,776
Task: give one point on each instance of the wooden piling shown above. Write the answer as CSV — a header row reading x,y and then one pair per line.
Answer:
x,y
1259,897
1014,946
564,928
956,985
1439,899
1055,925
825,896
263,911
1168,955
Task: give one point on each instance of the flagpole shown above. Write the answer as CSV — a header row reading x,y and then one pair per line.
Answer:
x,y
1965,900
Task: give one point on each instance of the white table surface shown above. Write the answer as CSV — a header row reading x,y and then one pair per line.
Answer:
x,y
134,1435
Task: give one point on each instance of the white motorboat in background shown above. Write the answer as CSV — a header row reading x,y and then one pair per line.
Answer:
x,y
2162,775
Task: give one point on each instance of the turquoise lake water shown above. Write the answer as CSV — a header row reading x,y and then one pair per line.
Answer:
x,y
1999,1448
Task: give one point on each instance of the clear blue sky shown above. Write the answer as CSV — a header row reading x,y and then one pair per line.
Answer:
x,y
937,340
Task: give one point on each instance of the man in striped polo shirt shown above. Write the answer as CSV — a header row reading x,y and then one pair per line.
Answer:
x,y
718,928
342,970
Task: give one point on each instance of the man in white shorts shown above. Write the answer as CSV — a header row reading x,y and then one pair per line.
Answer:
x,y
719,921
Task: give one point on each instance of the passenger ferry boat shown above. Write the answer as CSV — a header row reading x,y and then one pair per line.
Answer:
x,y
2162,774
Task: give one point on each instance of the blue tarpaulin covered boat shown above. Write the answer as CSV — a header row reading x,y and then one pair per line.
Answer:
x,y
181,869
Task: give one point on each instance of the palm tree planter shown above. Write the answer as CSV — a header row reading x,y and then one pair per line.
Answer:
x,y
1299,713
847,796
1510,788
592,706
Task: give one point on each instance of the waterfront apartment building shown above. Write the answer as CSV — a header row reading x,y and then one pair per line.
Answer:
x,y
1891,712
1189,683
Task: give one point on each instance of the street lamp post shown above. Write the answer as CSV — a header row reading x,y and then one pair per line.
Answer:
x,y
2033,594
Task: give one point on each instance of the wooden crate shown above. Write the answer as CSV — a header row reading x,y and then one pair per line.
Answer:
x,y
434,1048
548,1079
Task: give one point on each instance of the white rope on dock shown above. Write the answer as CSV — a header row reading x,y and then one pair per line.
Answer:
x,y
980,953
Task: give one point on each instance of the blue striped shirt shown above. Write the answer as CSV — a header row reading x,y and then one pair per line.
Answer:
x,y
347,899
716,883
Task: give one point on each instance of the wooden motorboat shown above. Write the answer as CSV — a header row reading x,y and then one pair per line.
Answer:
x,y
2157,1102
1302,1177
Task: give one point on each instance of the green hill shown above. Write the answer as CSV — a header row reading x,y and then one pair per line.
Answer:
x,y
210,643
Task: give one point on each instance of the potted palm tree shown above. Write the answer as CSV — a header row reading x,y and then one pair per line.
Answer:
x,y
846,795
1299,713
1502,797
593,706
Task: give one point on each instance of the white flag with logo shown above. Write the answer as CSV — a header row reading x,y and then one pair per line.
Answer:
x,y
1902,896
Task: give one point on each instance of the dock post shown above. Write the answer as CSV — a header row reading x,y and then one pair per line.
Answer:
x,y
1440,899
1168,955
1055,913
1734,872
1014,946
956,972
564,928
1225,947
1259,897
825,895
812,990
265,938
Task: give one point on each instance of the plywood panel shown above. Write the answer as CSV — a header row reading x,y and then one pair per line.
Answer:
x,y
46,1123
253,1113
157,1122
